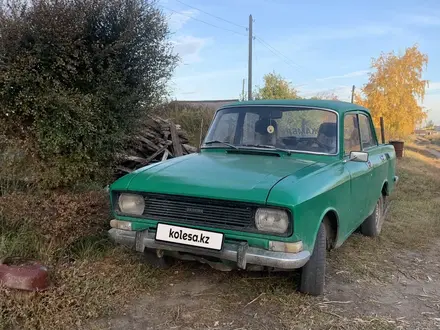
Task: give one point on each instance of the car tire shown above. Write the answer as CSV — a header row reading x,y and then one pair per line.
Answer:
x,y
313,272
372,226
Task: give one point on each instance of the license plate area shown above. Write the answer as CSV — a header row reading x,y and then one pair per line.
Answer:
x,y
189,236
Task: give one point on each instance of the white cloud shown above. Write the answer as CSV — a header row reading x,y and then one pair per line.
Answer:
x,y
177,20
188,47
347,75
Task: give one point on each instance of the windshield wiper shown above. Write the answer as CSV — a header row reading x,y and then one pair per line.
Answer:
x,y
267,147
221,142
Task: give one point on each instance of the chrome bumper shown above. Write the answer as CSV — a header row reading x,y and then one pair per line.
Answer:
x,y
241,253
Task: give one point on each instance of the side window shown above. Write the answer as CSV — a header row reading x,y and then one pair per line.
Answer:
x,y
225,131
366,134
351,134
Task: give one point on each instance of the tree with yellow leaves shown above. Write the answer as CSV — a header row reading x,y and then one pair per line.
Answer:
x,y
394,88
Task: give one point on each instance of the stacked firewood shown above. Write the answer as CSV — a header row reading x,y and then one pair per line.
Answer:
x,y
157,140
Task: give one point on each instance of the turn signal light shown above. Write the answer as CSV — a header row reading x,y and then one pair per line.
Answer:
x,y
285,246
123,225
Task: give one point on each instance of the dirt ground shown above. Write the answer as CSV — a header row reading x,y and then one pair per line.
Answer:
x,y
200,298
393,289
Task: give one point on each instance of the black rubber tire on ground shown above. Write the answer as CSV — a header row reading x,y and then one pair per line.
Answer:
x,y
150,257
313,273
372,226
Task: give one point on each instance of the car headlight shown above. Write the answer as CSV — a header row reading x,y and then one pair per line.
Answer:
x,y
272,220
131,204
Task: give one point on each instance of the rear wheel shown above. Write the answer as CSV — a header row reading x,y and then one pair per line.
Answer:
x,y
372,226
313,273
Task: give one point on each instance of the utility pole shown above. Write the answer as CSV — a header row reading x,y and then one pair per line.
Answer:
x,y
250,60
352,94
242,90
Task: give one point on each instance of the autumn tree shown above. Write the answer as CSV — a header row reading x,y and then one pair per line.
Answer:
x,y
394,90
276,87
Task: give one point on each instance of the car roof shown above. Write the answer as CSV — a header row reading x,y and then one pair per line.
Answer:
x,y
338,106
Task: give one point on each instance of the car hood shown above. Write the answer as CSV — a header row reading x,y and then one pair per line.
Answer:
x,y
216,175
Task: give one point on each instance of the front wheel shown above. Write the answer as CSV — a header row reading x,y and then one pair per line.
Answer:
x,y
313,272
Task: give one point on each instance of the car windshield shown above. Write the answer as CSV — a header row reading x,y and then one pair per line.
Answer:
x,y
269,127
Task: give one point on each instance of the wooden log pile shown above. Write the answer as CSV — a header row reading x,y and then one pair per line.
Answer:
x,y
157,140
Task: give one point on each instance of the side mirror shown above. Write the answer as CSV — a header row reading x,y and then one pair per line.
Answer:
x,y
359,156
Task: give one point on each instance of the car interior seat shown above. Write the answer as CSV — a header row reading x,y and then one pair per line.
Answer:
x,y
327,136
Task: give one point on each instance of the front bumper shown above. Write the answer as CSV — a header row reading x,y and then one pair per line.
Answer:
x,y
241,253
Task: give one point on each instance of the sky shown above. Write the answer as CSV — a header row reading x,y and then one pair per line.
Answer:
x,y
317,45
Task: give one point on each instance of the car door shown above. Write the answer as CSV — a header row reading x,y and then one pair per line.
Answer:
x,y
358,170
377,169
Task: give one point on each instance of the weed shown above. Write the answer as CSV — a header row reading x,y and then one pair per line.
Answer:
x,y
90,248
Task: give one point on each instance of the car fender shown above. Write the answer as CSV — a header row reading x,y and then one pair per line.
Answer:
x,y
323,214
311,197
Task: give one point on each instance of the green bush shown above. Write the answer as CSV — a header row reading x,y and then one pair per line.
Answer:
x,y
76,76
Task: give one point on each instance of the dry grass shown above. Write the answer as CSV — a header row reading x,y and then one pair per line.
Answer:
x,y
276,296
81,290
66,231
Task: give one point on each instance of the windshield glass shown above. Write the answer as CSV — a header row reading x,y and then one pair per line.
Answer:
x,y
294,129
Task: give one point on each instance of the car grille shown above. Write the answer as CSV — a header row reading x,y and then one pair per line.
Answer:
x,y
199,211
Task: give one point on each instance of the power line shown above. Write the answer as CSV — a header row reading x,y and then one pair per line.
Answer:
x,y
220,18
196,19
276,52
272,49
283,57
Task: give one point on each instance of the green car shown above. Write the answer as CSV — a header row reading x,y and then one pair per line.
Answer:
x,y
276,184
